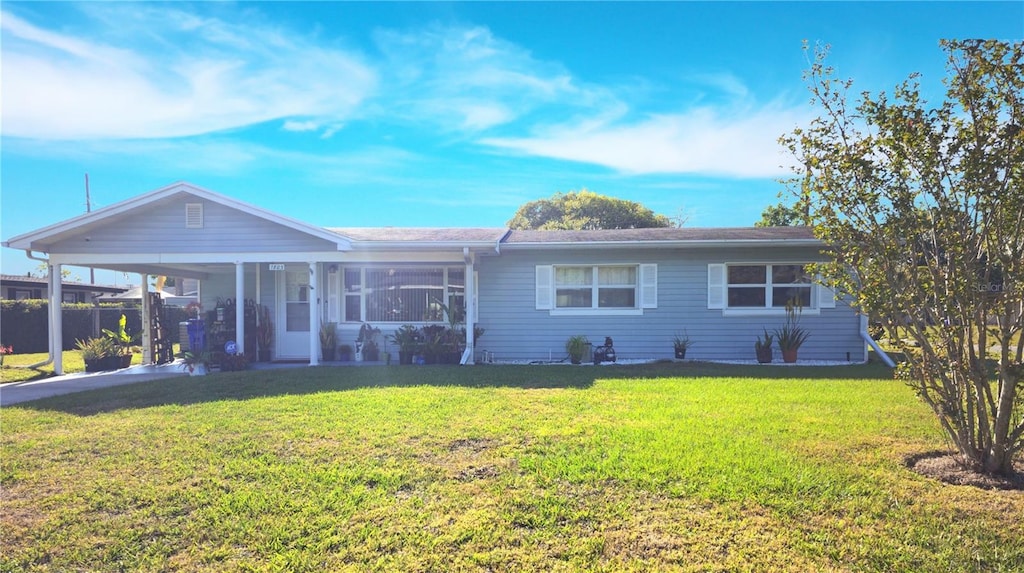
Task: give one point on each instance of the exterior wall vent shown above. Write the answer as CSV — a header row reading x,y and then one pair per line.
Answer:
x,y
193,215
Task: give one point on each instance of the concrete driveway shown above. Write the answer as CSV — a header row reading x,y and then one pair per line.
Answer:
x,y
16,392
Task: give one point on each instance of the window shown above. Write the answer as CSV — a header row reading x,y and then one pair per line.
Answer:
x,y
748,286
614,287
596,287
768,286
402,294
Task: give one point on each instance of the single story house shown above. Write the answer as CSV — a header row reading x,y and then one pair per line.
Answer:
x,y
17,287
528,290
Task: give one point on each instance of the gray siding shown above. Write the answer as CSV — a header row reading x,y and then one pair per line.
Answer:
x,y
160,228
517,331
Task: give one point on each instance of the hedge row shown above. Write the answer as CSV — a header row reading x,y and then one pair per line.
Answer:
x,y
23,323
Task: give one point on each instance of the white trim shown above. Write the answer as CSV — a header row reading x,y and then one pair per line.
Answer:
x,y
596,312
702,243
51,233
747,311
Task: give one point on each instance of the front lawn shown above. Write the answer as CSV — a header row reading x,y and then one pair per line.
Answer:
x,y
514,468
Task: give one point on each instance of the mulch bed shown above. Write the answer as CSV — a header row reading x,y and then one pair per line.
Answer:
x,y
949,468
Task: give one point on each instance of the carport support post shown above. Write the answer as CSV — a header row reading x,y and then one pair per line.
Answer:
x,y
57,318
314,318
147,342
240,307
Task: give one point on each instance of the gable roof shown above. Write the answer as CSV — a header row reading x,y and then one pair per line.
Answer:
x,y
39,239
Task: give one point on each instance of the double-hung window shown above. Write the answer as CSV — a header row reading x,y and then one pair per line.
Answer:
x,y
765,287
597,288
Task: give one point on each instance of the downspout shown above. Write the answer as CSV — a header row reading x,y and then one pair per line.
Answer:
x,y
49,289
469,354
871,342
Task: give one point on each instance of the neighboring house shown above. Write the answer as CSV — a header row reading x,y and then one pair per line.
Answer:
x,y
15,287
529,290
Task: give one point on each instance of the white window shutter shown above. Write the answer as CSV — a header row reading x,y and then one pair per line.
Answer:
x,y
716,286
649,286
545,278
826,296
333,306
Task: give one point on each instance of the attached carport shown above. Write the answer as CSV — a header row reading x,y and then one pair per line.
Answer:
x,y
182,231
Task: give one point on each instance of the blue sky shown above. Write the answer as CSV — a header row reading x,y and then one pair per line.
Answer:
x,y
434,114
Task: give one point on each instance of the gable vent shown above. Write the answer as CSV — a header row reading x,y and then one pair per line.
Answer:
x,y
193,215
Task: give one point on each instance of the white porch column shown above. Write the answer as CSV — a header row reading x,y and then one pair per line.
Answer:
x,y
470,357
57,318
314,318
240,307
147,343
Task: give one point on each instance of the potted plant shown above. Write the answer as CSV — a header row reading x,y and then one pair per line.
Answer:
x,y
577,346
95,353
680,343
196,363
763,348
328,340
234,362
367,343
791,335
4,351
408,339
345,352
121,344
264,335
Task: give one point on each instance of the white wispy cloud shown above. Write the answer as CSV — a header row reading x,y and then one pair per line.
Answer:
x,y
464,78
158,73
727,140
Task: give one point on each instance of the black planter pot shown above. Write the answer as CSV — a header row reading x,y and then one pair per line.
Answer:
x,y
95,365
264,355
126,361
680,353
764,355
328,354
405,357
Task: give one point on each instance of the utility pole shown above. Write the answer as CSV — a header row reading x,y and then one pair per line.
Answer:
x,y
88,209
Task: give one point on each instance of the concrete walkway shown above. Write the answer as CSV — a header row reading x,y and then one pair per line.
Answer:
x,y
16,392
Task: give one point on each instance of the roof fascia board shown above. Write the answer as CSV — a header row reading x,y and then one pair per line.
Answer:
x,y
27,241
665,244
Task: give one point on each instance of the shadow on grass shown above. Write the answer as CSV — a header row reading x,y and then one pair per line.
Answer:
x,y
314,380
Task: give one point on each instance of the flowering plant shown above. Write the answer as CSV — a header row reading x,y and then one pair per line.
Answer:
x,y
6,350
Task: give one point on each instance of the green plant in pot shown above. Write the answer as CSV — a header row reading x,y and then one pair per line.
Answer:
x,y
121,345
328,340
408,338
195,362
577,347
96,352
680,343
791,335
763,348
367,343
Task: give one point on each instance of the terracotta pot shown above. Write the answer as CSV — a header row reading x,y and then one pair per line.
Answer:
x,y
789,356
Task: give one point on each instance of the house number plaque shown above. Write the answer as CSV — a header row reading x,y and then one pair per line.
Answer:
x,y
275,266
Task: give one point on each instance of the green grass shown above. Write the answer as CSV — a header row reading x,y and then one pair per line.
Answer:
x,y
72,361
684,467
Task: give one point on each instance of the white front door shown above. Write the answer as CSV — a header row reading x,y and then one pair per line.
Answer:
x,y
293,295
